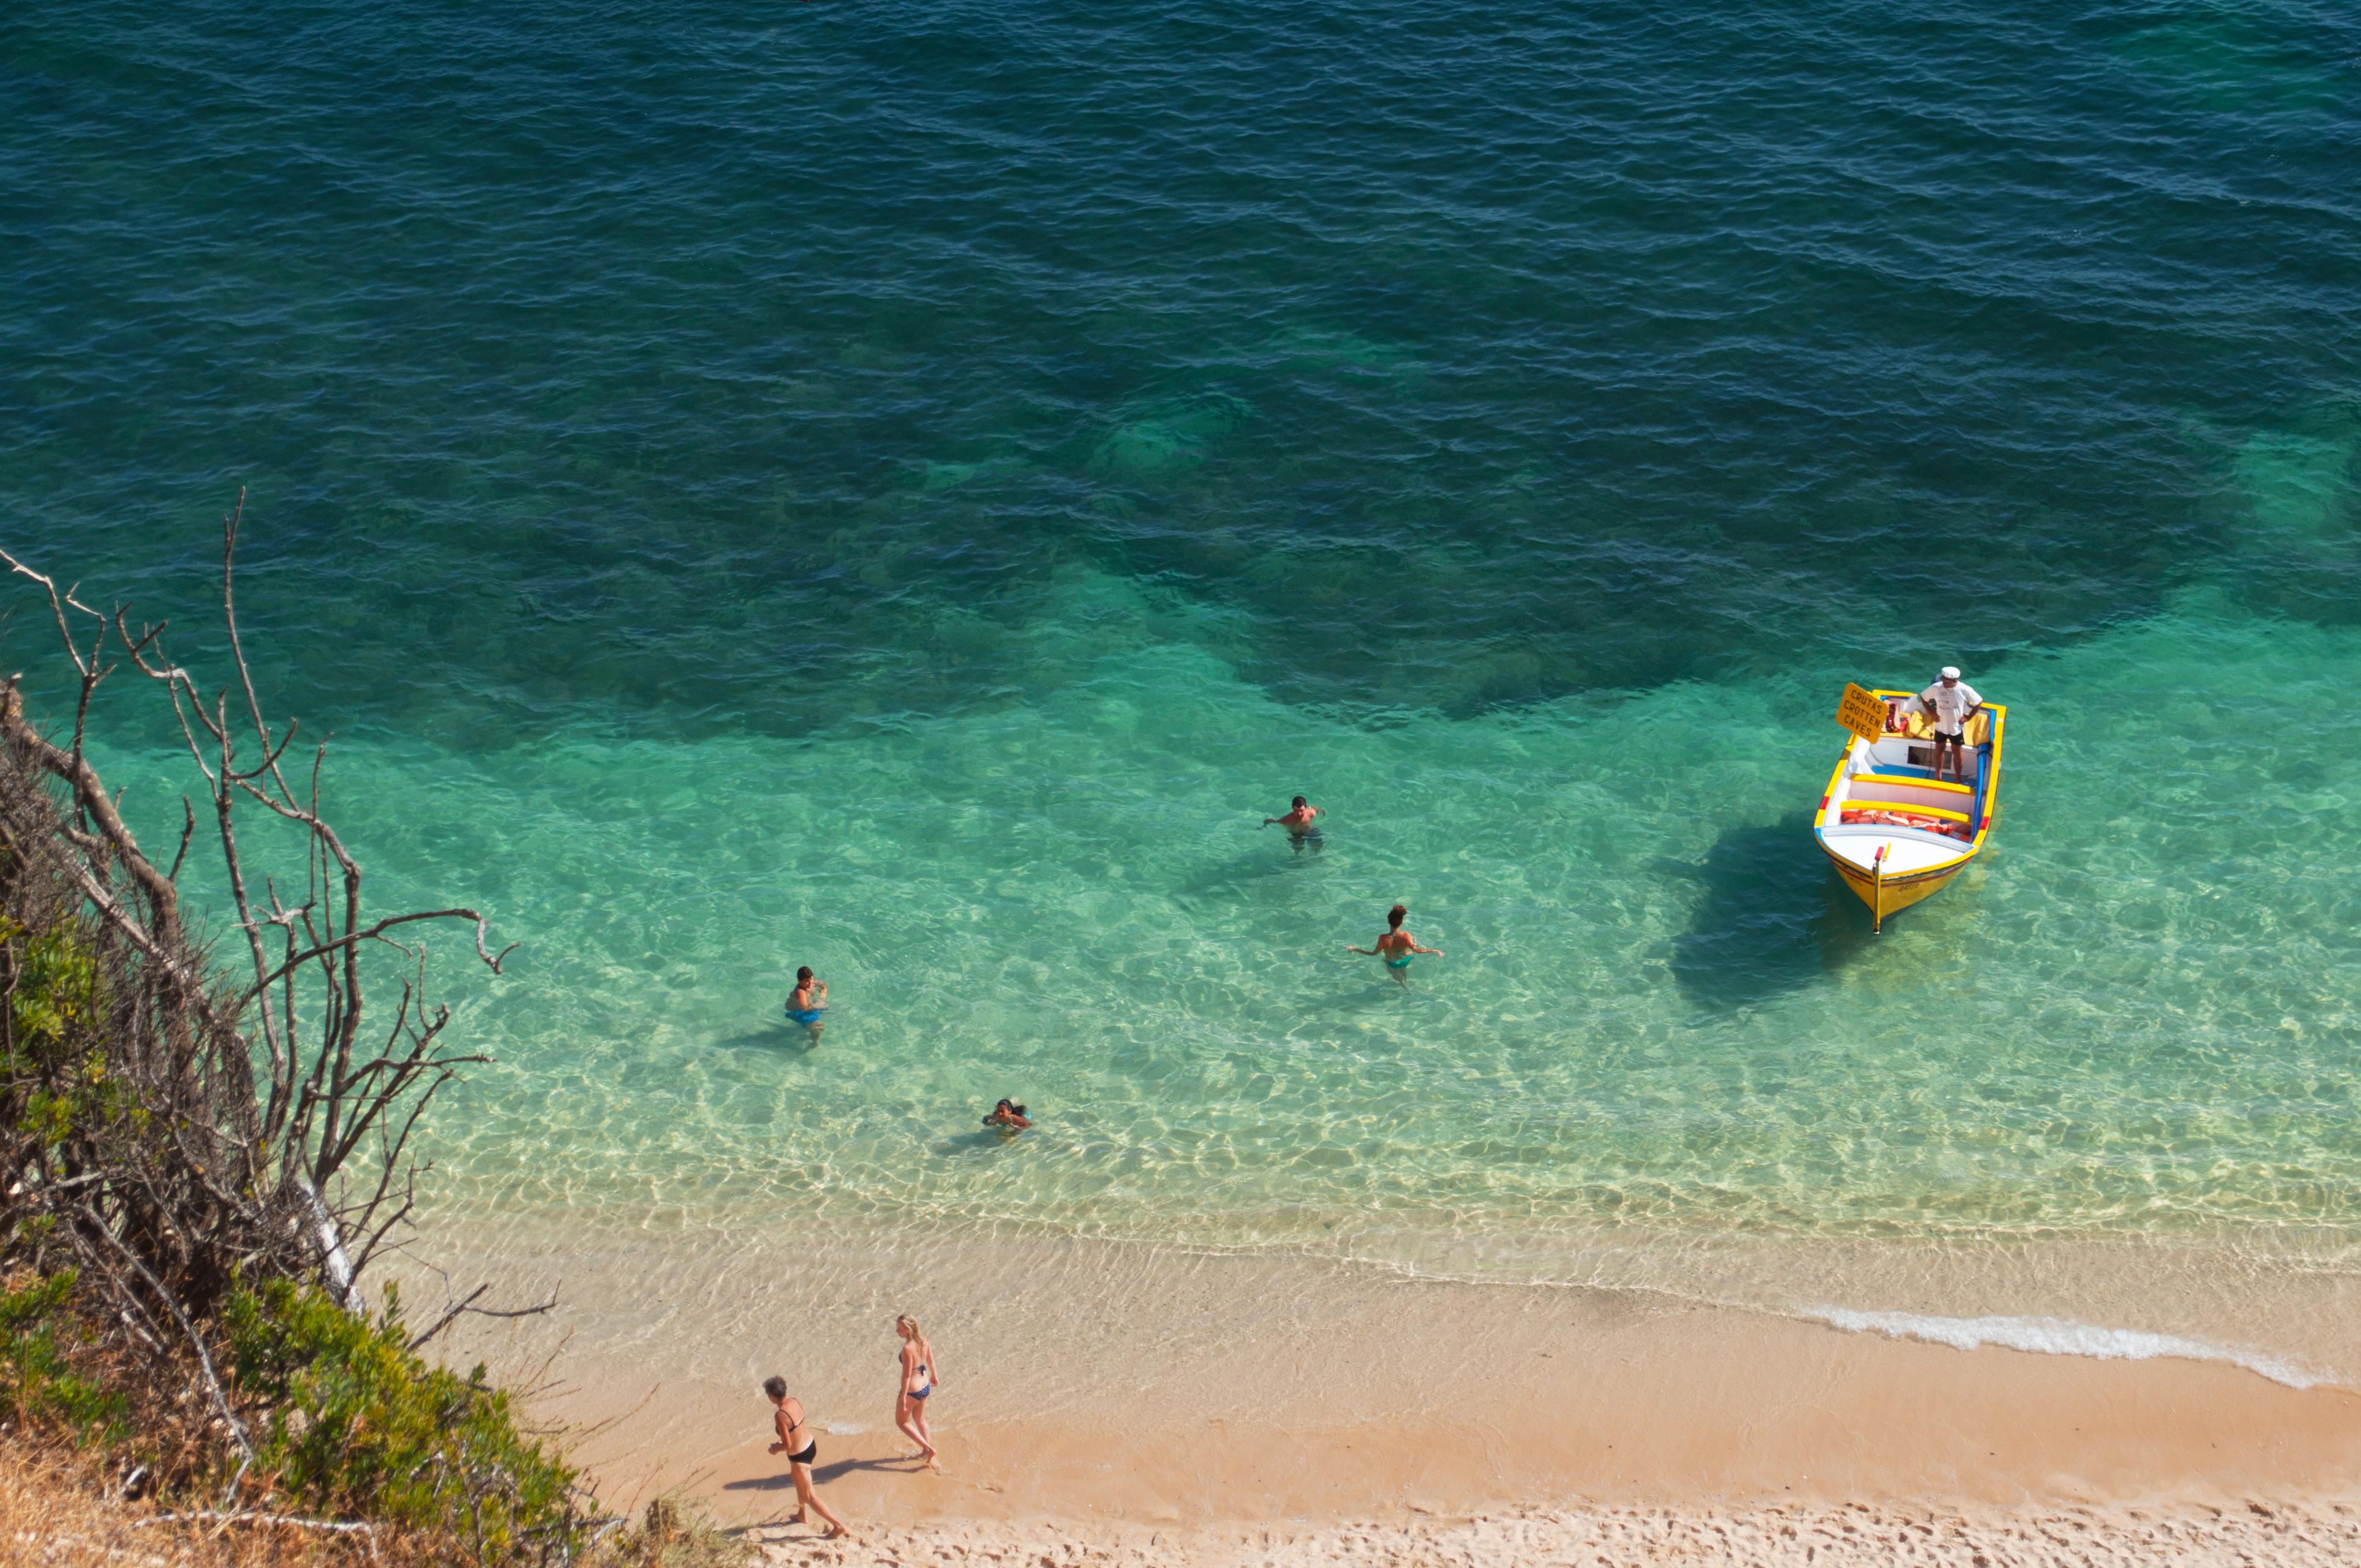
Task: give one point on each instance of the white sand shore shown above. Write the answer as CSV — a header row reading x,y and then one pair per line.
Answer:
x,y
1824,1536
1102,1402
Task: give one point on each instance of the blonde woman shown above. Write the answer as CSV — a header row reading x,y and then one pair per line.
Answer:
x,y
920,1377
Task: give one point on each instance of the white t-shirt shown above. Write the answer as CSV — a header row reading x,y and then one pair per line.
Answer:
x,y
1950,704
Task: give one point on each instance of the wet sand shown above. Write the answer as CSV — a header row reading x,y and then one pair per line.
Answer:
x,y
1205,1399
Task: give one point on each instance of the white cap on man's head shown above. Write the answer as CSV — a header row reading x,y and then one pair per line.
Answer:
x,y
1950,671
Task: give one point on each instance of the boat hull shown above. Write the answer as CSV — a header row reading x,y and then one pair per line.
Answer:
x,y
1898,890
1900,893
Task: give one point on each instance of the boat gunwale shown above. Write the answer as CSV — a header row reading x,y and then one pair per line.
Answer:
x,y
1989,801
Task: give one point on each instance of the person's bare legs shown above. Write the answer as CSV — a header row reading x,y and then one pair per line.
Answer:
x,y
808,1500
927,1436
911,1417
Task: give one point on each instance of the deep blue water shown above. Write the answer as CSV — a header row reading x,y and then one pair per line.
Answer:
x,y
906,490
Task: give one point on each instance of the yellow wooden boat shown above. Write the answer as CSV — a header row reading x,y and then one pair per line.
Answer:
x,y
1895,833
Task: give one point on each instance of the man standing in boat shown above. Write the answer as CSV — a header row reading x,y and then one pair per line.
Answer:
x,y
1952,702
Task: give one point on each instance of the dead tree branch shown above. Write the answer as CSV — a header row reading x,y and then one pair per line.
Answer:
x,y
170,1131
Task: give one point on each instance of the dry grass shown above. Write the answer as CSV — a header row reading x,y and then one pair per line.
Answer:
x,y
58,1510
674,1535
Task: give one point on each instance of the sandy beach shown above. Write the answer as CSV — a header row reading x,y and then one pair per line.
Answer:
x,y
1102,1402
1777,1537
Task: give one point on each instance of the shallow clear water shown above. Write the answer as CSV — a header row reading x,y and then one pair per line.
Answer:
x,y
909,495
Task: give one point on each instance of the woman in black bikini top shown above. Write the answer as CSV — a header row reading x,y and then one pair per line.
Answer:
x,y
791,1423
797,1425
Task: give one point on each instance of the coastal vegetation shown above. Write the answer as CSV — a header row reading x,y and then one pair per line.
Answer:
x,y
206,1131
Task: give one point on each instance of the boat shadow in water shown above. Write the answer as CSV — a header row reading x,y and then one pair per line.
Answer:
x,y
1773,917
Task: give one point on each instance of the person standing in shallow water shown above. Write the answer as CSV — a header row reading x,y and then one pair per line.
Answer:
x,y
801,1446
809,1001
1299,824
1397,946
919,1376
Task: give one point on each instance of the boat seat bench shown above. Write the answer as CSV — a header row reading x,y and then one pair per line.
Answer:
x,y
1857,804
1943,784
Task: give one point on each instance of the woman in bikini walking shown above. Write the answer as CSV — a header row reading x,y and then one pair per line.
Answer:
x,y
801,1447
1397,946
919,1377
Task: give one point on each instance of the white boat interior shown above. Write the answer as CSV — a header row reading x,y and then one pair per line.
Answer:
x,y
1888,787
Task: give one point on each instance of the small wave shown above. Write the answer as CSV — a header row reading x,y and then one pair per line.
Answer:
x,y
2060,1336
841,1429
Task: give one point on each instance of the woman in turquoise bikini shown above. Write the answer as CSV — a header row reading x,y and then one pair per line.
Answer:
x,y
1397,946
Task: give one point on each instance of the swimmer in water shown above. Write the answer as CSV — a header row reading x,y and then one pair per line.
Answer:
x,y
1299,823
809,1001
1397,946
1008,1117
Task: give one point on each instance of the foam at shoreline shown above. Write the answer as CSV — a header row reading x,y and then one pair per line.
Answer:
x,y
1090,1380
2060,1336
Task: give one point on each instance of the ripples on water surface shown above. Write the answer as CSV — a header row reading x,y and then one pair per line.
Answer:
x,y
905,494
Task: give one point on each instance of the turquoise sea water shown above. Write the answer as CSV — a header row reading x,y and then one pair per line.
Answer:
x,y
908,493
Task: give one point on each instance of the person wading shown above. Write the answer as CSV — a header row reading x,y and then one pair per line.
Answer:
x,y
808,1001
1301,824
1397,946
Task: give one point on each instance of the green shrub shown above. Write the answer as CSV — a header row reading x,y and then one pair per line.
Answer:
x,y
38,1385
53,1076
358,1424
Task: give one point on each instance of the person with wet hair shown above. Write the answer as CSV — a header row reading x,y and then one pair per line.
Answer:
x,y
808,1001
1300,823
1397,946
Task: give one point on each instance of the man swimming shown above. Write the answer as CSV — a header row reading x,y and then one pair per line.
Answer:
x,y
1397,946
1299,823
809,1001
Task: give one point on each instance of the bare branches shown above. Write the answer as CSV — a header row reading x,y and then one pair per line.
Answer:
x,y
91,799
187,831
189,1330
173,1132
492,959
465,1307
89,666
277,1521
